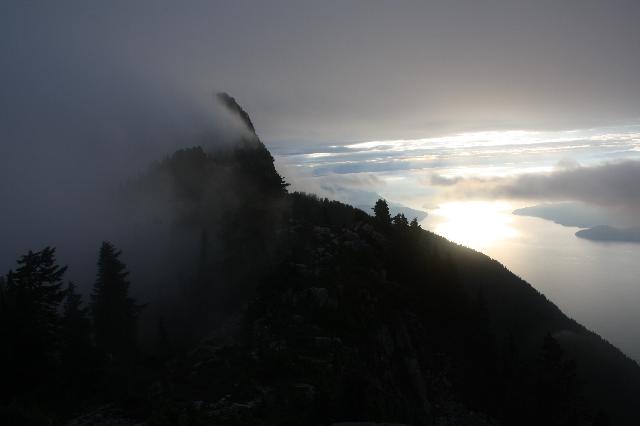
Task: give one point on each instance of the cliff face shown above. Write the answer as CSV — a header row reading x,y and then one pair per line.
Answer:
x,y
233,107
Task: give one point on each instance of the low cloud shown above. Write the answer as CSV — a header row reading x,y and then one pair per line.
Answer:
x,y
64,158
438,180
610,185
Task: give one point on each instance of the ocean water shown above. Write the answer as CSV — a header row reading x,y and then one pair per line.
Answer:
x,y
597,284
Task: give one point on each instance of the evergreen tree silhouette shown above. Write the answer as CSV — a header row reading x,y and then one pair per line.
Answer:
x,y
75,335
31,296
400,221
115,314
601,419
3,295
5,333
557,386
163,344
381,213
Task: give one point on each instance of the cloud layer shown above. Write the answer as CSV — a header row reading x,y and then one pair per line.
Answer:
x,y
312,72
610,185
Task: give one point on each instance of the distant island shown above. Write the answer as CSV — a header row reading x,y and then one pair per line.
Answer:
x,y
606,233
570,214
579,215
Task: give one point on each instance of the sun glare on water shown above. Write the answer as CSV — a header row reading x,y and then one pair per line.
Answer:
x,y
476,224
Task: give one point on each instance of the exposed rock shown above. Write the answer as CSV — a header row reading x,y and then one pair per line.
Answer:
x,y
107,415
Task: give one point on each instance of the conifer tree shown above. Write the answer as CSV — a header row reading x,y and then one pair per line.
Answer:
x,y
75,336
381,213
163,344
557,386
400,221
32,294
115,314
4,324
3,296
3,304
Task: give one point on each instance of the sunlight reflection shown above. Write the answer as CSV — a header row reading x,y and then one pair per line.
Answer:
x,y
475,224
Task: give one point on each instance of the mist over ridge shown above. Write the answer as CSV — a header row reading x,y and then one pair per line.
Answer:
x,y
65,178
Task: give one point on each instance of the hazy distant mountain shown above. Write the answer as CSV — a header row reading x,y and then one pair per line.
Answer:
x,y
580,215
611,234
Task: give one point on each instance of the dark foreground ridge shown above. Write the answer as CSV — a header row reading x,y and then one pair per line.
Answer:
x,y
298,310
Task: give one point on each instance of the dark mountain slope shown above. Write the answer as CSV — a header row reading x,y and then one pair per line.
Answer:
x,y
520,312
328,314
336,315
366,321
610,234
298,310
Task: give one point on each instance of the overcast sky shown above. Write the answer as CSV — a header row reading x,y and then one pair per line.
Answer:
x,y
328,71
91,92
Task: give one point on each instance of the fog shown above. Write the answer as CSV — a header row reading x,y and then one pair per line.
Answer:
x,y
610,185
64,168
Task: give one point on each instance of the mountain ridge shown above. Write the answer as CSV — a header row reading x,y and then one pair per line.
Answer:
x,y
293,309
416,276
